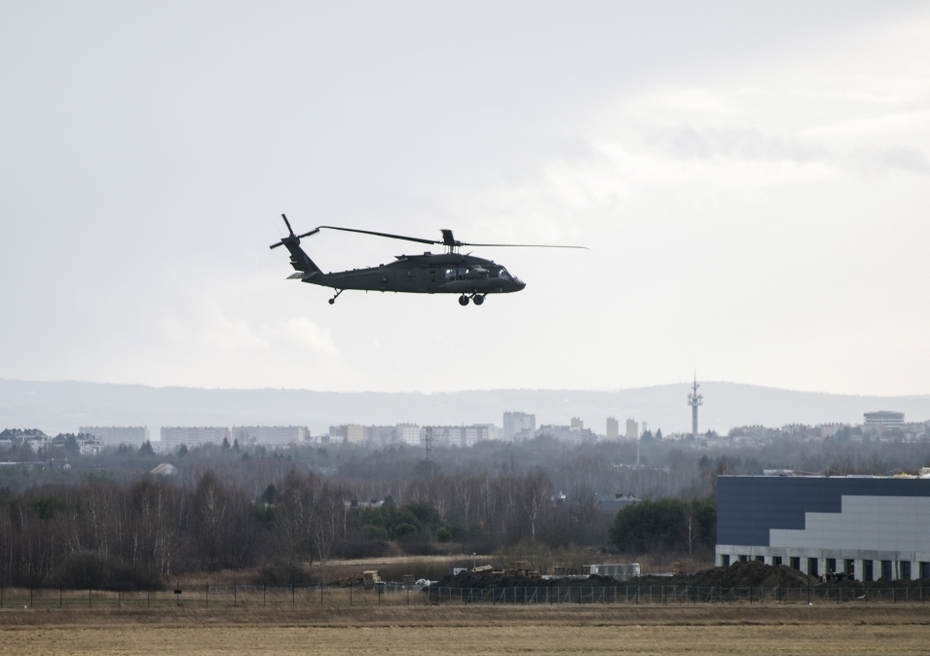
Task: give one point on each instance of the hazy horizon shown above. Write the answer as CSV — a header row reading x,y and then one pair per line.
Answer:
x,y
686,383
65,406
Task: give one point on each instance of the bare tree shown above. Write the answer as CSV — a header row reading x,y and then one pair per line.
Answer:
x,y
535,498
295,517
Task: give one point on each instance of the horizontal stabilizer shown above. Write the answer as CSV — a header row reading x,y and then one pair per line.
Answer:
x,y
302,275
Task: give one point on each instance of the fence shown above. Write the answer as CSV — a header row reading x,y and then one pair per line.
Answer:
x,y
676,594
214,596
252,596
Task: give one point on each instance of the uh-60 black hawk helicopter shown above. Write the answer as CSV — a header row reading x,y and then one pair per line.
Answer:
x,y
472,278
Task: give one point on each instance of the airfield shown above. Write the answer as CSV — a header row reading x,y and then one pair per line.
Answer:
x,y
735,629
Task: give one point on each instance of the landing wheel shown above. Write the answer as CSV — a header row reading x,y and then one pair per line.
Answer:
x,y
478,300
332,301
463,300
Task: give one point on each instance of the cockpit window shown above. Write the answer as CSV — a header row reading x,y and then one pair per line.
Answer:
x,y
503,274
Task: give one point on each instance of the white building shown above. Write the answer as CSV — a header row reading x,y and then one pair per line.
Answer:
x,y
408,434
117,435
173,437
632,429
381,435
347,433
884,419
269,435
34,437
567,433
613,429
165,469
460,436
518,425
621,571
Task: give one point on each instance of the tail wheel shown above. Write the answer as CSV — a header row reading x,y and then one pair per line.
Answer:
x,y
463,300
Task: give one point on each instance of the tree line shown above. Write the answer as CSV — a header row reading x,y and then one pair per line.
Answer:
x,y
103,522
137,534
669,525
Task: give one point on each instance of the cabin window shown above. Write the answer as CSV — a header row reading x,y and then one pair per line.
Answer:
x,y
450,274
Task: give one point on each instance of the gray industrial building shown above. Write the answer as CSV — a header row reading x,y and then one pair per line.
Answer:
x,y
866,527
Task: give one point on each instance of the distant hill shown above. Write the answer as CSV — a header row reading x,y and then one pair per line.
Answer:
x,y
64,406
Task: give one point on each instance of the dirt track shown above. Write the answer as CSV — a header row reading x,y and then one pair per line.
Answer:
x,y
484,615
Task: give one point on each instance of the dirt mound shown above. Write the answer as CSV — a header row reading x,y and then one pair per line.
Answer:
x,y
739,575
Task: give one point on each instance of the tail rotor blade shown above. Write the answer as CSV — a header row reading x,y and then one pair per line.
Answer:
x,y
288,224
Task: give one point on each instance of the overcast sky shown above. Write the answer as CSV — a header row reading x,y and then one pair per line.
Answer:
x,y
753,180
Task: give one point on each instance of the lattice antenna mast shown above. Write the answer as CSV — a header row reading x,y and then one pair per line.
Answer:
x,y
695,400
428,443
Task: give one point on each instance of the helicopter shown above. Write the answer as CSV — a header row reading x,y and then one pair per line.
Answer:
x,y
451,272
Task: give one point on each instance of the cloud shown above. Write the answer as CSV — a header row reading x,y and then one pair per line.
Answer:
x,y
898,125
742,219
836,116
745,144
220,332
307,334
885,159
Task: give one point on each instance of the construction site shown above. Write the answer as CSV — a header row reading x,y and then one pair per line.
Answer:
x,y
751,581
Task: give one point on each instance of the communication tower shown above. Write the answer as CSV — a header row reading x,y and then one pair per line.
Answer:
x,y
695,400
428,443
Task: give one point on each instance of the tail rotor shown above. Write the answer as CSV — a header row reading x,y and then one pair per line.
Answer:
x,y
291,237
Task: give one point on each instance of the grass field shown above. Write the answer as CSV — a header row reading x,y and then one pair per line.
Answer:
x,y
470,630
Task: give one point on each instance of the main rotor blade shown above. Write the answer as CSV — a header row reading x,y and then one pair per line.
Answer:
x,y
465,243
382,234
447,240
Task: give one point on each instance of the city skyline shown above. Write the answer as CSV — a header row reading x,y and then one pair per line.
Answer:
x,y
63,407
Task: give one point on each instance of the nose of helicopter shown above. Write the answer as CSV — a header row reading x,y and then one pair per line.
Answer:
x,y
518,284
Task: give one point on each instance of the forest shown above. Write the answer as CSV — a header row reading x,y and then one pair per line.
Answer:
x,y
106,523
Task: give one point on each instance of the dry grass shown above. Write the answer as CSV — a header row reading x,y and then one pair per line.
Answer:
x,y
547,639
485,615
470,630
391,566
